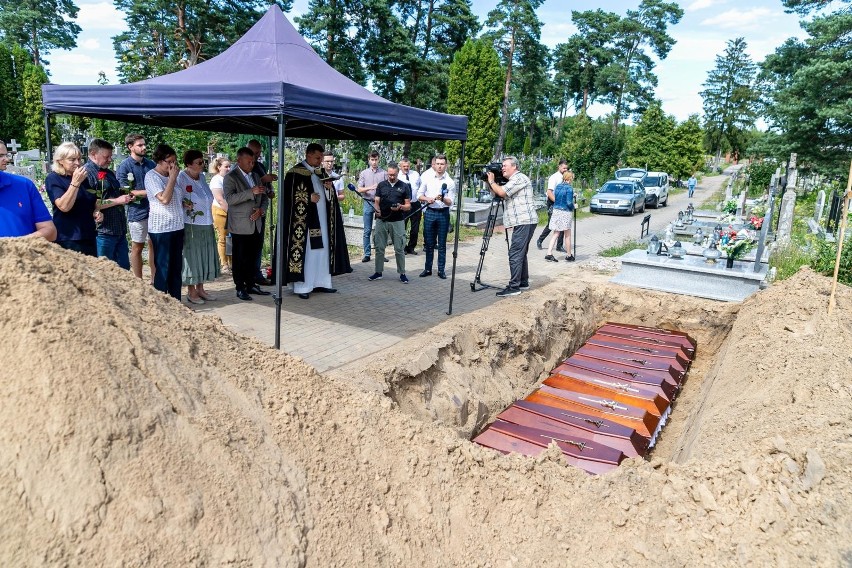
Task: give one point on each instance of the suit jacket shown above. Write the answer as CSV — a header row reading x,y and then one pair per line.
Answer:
x,y
241,202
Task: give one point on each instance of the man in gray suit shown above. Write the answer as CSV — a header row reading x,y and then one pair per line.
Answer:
x,y
247,203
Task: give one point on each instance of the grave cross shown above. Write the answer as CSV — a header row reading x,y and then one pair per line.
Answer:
x,y
13,146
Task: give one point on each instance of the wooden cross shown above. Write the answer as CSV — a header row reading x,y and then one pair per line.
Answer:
x,y
13,146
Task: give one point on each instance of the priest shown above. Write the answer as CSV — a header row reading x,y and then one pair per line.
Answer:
x,y
315,244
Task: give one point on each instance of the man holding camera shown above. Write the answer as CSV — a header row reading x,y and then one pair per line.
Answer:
x,y
392,202
436,194
519,214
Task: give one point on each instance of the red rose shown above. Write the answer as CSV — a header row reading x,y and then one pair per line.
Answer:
x,y
101,175
189,189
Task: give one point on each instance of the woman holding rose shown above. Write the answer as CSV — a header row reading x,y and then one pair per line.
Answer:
x,y
166,220
200,258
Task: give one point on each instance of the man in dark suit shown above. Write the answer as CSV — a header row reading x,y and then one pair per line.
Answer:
x,y
247,204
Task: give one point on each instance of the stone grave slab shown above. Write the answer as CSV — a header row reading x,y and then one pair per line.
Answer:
x,y
475,213
691,276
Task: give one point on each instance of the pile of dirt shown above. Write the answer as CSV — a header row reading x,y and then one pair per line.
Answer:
x,y
135,432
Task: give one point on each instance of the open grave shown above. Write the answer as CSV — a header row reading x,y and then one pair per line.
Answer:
x,y
138,433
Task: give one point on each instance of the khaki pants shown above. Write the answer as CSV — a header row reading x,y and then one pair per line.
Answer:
x,y
220,220
395,231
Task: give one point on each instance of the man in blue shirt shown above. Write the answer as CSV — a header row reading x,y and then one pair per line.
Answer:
x,y
691,183
22,211
137,165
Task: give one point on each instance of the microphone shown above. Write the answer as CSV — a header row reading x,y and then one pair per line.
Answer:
x,y
443,191
351,187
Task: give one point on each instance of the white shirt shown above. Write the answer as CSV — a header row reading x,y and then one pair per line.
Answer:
x,y
217,184
163,217
430,187
554,180
412,178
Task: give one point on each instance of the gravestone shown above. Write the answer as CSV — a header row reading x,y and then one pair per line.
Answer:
x,y
819,206
13,146
31,155
785,223
741,204
729,189
25,171
792,172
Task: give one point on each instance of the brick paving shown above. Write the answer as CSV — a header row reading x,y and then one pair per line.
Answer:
x,y
332,330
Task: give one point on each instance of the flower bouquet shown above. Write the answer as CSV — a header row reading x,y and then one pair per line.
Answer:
x,y
734,249
730,206
755,222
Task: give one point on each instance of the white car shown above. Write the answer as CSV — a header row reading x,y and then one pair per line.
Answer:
x,y
656,189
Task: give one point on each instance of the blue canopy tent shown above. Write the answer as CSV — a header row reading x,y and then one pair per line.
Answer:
x,y
268,81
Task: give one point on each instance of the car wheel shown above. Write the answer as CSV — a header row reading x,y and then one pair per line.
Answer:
x,y
664,203
632,210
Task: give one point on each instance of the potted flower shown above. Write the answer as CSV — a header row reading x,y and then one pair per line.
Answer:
x,y
755,223
734,249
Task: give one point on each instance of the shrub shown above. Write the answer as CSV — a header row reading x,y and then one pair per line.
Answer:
x,y
826,254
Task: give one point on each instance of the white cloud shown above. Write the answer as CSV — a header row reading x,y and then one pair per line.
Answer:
x,y
100,16
741,19
90,43
702,4
554,33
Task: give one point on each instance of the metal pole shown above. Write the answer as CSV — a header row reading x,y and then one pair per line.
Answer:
x,y
459,211
279,235
49,157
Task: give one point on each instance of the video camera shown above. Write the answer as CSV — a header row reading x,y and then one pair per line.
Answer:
x,y
497,169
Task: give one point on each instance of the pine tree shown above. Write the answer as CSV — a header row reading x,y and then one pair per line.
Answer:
x,y
40,26
730,99
475,80
33,78
687,148
651,145
12,63
516,33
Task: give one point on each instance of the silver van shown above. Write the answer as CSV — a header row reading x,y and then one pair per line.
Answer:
x,y
656,189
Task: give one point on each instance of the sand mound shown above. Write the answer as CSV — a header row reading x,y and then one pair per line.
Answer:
x,y
139,433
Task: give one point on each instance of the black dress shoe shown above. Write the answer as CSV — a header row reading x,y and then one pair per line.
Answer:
x,y
256,290
243,295
425,273
538,244
441,275
326,290
304,296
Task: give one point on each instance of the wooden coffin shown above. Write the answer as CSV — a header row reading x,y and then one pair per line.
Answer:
x,y
635,360
564,423
651,348
678,337
624,392
632,373
641,420
581,452
591,369
679,362
648,341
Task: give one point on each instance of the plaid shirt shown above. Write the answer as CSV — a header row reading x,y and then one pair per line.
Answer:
x,y
115,219
519,205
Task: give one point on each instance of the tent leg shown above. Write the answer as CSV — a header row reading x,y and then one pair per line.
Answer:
x,y
279,235
459,212
47,146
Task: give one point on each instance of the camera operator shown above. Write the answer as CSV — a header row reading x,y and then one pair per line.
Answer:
x,y
392,202
519,214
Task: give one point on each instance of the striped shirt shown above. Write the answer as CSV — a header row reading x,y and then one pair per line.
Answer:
x,y
519,205
163,217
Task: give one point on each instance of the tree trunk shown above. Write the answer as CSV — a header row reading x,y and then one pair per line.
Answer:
x,y
504,119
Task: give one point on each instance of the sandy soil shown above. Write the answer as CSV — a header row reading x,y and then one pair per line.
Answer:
x,y
137,433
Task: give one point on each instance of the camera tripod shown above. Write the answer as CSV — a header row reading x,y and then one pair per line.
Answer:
x,y
493,212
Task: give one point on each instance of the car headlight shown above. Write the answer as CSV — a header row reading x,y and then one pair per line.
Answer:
x,y
595,201
624,202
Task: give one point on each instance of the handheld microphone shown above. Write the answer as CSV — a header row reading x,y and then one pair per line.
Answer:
x,y
443,190
351,187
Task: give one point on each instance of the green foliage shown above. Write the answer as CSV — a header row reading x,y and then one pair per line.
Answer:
x,y
730,99
826,257
622,248
34,135
760,175
807,89
12,64
687,149
788,260
40,26
475,81
591,148
651,145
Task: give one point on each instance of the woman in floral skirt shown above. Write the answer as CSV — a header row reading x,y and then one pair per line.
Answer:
x,y
200,257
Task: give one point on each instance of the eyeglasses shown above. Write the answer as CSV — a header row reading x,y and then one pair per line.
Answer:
x,y
8,156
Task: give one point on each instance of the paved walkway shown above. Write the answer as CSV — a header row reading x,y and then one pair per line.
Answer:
x,y
332,330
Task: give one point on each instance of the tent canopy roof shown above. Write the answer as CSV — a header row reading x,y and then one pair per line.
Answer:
x,y
270,70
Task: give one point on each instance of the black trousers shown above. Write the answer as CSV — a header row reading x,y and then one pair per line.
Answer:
x,y
560,240
414,232
243,258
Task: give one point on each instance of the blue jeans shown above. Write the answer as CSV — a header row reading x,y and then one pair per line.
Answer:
x,y
114,248
368,226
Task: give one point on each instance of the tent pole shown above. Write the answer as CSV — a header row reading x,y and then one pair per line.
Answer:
x,y
279,234
47,147
459,212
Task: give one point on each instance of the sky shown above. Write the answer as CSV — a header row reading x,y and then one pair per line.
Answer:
x,y
700,36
